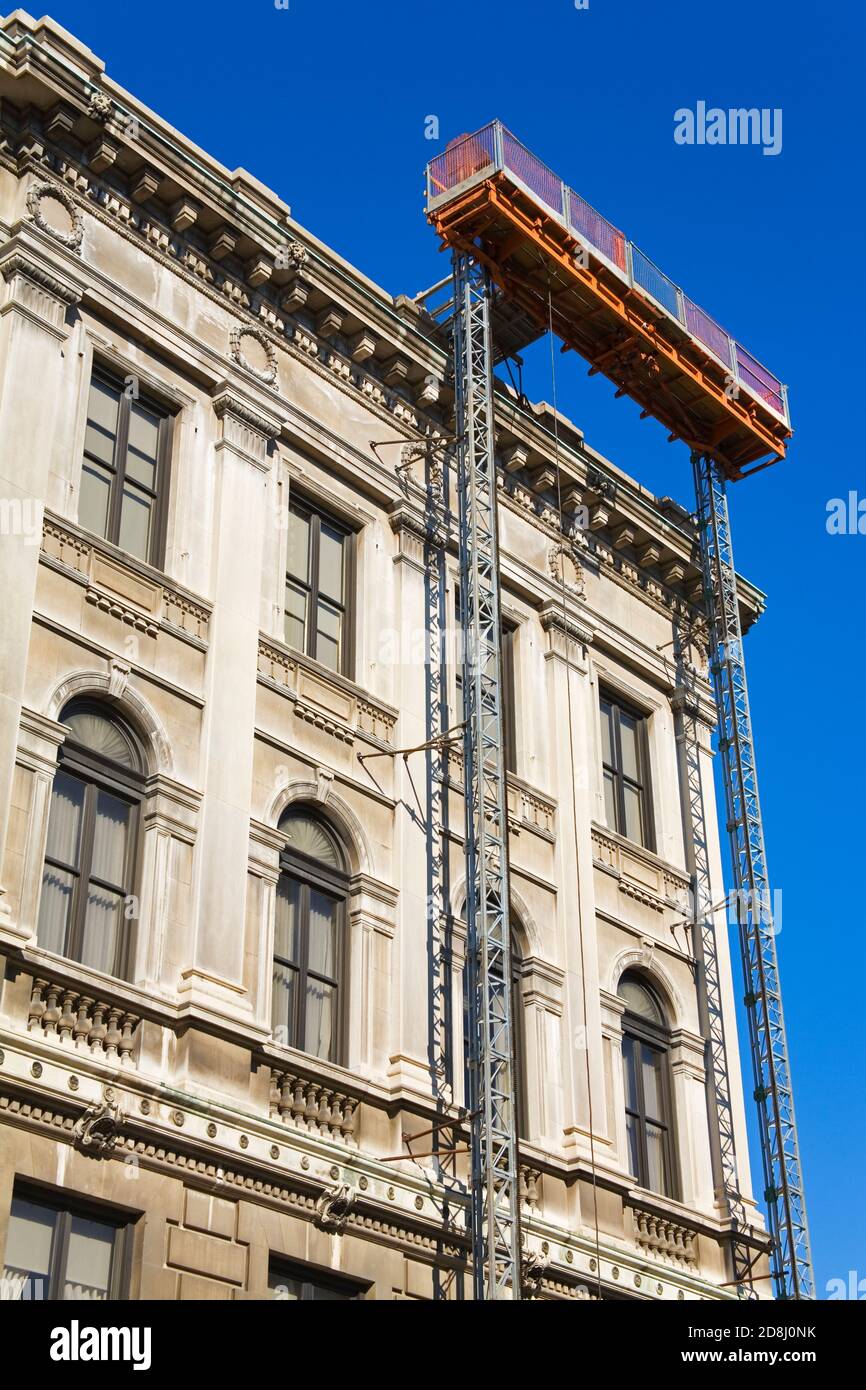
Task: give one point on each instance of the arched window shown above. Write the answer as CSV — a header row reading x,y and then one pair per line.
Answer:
x,y
309,942
517,1040
87,908
646,1068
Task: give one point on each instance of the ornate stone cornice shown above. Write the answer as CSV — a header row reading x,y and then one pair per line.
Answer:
x,y
35,291
568,637
245,428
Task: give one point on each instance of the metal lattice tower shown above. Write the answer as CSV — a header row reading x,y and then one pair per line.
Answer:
x,y
791,1256
719,1109
494,1205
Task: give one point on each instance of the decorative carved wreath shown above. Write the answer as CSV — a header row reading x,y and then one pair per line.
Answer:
x,y
565,568
266,374
71,239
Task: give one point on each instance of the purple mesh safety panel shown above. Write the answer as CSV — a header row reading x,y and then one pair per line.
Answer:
x,y
596,229
537,177
765,386
708,332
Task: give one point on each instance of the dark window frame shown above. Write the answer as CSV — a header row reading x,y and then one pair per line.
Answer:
x,y
312,873
317,515
150,401
120,1268
643,784
316,1277
638,1033
98,773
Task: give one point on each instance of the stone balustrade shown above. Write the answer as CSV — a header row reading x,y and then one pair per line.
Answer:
x,y
312,1105
665,1239
82,1021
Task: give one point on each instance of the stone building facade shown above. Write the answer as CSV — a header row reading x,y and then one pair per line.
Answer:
x,y
215,1020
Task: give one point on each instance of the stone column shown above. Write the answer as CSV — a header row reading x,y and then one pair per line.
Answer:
x,y
410,1066
215,979
570,699
33,331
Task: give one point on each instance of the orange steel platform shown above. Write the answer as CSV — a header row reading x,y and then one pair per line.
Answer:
x,y
560,262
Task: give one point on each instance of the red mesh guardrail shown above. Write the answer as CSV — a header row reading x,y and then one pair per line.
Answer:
x,y
463,157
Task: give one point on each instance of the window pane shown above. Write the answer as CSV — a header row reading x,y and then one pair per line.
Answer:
x,y
299,545
99,445
638,999
323,934
283,1288
100,734
631,1126
328,624
606,742
296,617
633,828
103,925
101,421
58,886
307,836
102,405
88,1260
93,499
64,822
331,562
628,734
655,1145
142,446
109,839
288,908
320,1019
288,1289
28,1250
284,1005
609,801
136,514
628,1061
652,1082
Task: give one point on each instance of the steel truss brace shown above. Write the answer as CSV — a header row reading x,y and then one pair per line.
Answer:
x,y
791,1260
495,1198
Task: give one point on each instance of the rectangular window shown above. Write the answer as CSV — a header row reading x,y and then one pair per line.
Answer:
x,y
292,1283
63,1253
625,769
124,470
509,703
318,586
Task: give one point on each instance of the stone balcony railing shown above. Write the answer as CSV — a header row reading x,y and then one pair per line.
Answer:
x,y
665,1239
641,874
83,1022
312,1105
120,586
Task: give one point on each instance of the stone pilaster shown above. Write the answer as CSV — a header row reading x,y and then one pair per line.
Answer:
x,y
36,300
242,468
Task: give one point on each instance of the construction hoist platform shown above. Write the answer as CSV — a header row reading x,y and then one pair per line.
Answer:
x,y
531,256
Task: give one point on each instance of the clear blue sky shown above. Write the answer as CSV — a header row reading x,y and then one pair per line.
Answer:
x,y
326,103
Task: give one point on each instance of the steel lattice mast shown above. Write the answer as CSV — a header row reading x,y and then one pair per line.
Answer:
x,y
494,1199
786,1206
719,1109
